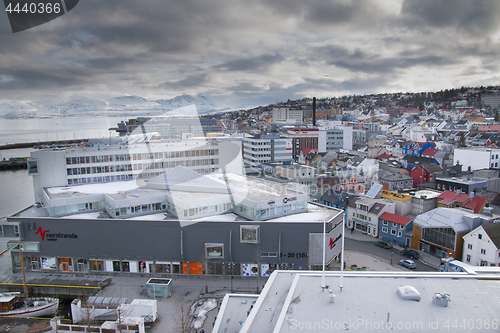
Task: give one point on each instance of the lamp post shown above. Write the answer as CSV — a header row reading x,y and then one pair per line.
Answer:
x,y
392,252
231,264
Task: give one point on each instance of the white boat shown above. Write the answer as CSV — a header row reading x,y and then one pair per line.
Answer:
x,y
14,304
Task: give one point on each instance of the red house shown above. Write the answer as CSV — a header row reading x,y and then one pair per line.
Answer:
x,y
424,173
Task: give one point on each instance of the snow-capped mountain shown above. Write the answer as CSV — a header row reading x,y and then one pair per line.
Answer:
x,y
203,104
121,105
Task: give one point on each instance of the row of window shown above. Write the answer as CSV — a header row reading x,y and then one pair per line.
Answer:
x,y
90,180
98,169
74,208
141,156
159,267
393,231
269,212
206,210
395,225
145,208
450,188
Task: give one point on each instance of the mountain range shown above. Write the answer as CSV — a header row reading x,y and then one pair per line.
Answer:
x,y
122,105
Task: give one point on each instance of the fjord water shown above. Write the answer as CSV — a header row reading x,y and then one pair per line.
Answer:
x,y
16,186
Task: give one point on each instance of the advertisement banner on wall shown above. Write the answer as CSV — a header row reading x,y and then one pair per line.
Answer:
x,y
333,244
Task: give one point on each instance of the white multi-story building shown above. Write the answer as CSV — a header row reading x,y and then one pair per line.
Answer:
x,y
477,158
258,150
364,214
482,246
99,163
335,138
287,116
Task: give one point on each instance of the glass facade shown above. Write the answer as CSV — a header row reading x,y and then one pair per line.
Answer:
x,y
444,237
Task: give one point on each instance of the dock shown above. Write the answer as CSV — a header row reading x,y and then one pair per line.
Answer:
x,y
60,285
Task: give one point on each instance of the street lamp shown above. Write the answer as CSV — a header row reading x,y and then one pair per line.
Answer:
x,y
231,265
392,252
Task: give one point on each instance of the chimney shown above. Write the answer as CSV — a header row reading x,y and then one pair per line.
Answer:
x,y
471,195
314,111
459,191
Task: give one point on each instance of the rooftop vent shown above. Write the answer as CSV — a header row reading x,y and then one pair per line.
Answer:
x,y
441,299
409,293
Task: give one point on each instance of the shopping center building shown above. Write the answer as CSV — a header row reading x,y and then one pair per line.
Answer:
x,y
179,222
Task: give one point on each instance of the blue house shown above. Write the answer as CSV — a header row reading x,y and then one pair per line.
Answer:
x,y
417,148
395,228
338,200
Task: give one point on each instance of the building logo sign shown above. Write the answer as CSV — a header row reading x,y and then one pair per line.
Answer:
x,y
272,202
333,241
42,233
285,200
53,237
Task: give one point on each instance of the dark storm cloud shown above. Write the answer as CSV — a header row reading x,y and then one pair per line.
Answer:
x,y
114,62
259,63
191,81
480,16
34,80
242,48
359,61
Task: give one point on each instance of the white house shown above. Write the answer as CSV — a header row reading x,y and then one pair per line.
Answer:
x,y
475,158
482,246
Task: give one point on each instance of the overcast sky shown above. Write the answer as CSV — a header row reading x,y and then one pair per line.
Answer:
x,y
252,52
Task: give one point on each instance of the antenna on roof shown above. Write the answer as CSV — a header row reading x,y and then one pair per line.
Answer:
x,y
323,284
341,281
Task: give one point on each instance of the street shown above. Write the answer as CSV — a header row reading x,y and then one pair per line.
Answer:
x,y
369,247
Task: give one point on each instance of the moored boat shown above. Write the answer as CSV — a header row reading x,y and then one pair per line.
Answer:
x,y
15,304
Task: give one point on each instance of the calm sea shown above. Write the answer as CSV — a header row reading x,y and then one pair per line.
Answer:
x,y
16,187
53,129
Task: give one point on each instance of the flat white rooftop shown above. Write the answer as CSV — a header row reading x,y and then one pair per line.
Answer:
x,y
314,214
368,302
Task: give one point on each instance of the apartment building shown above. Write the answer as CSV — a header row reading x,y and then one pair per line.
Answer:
x,y
259,150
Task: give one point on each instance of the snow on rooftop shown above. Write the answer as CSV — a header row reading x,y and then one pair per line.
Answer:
x,y
89,216
150,217
314,214
219,218
103,188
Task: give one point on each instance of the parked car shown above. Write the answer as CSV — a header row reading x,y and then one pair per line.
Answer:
x,y
410,253
384,244
408,263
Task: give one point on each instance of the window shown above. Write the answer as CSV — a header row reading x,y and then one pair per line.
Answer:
x,y
393,232
384,229
249,234
400,233
479,236
214,250
32,167
483,251
385,222
97,265
469,246
468,258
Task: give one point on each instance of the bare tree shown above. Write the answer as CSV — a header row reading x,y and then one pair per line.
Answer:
x,y
181,317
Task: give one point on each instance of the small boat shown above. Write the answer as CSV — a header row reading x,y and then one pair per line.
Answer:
x,y
15,304
19,304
